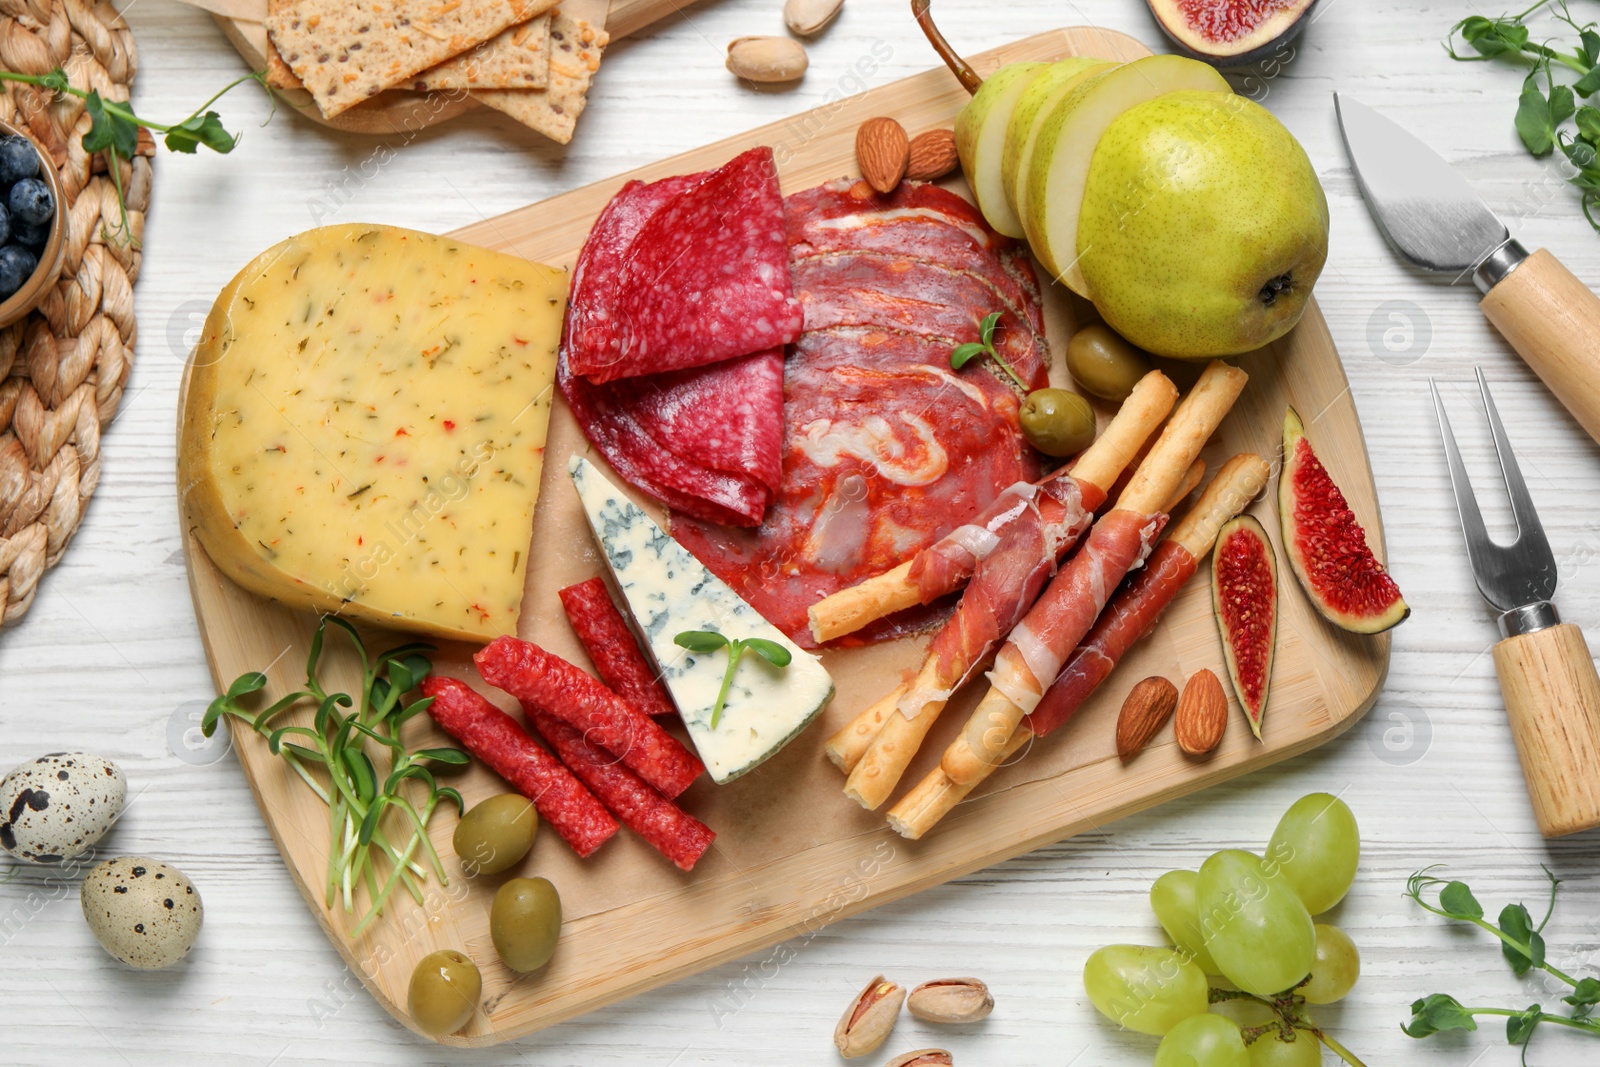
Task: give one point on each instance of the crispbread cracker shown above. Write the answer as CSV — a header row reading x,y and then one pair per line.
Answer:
x,y
279,76
575,49
346,51
517,58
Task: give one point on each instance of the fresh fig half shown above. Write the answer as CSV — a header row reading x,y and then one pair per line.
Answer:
x,y
1244,593
1326,545
1231,33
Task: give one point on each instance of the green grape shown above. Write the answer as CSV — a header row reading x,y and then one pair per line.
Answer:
x,y
1172,899
1336,969
1269,1050
1203,1041
1316,848
1258,932
1150,990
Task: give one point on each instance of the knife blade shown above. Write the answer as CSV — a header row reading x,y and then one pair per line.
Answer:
x,y
1434,219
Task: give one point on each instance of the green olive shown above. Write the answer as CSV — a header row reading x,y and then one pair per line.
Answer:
x,y
525,922
495,834
445,989
1104,364
1056,422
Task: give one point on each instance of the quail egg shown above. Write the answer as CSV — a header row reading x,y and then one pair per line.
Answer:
x,y
55,808
142,911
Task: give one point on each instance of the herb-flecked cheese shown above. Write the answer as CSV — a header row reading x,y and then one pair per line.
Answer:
x,y
365,426
668,591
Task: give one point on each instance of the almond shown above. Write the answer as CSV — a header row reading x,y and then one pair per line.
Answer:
x,y
1144,713
882,151
932,155
1202,714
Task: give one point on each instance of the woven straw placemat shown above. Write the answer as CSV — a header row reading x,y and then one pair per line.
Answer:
x,y
63,368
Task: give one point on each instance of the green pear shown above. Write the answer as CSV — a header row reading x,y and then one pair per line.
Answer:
x,y
1066,143
1037,101
1202,226
981,136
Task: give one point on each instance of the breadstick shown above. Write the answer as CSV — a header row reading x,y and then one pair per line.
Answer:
x,y
934,796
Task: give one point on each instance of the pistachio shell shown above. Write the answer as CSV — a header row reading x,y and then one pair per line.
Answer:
x,y
767,59
808,18
866,1023
951,1000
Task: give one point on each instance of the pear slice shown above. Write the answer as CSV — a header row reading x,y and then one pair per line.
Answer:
x,y
1022,132
981,138
1066,142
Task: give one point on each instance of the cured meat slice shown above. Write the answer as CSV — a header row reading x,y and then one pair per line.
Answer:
x,y
704,278
886,449
667,828
550,683
495,738
613,648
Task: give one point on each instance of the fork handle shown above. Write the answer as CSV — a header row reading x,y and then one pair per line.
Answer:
x,y
1552,319
1552,696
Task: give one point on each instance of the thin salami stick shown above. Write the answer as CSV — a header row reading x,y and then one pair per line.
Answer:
x,y
605,635
1120,540
553,685
1137,606
669,829
950,562
496,739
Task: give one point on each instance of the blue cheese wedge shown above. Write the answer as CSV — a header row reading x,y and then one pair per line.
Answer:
x,y
668,591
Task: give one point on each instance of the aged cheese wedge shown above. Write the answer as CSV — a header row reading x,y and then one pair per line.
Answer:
x,y
365,426
668,591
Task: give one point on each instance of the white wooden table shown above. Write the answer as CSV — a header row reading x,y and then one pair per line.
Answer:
x,y
109,658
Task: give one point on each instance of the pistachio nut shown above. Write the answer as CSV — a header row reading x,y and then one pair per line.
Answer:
x,y
807,18
922,1057
951,1000
866,1023
767,59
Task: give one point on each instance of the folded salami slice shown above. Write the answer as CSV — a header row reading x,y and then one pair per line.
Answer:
x,y
668,829
551,684
611,645
496,739
705,278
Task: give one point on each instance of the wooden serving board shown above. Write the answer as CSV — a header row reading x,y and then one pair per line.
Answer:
x,y
792,853
398,110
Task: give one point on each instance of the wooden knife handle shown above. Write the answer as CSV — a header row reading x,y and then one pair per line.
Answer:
x,y
1552,698
1553,321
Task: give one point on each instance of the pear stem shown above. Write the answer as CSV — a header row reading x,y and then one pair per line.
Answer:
x,y
961,68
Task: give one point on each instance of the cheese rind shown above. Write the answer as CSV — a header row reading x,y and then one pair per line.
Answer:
x,y
365,423
668,591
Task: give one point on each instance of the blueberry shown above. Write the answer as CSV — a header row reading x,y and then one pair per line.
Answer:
x,y
18,159
17,264
5,225
33,237
30,202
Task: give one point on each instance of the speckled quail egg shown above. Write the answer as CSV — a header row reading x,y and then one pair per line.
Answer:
x,y
142,911
55,808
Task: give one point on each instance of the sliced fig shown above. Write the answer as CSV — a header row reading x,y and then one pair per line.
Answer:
x,y
1327,547
1244,593
1231,33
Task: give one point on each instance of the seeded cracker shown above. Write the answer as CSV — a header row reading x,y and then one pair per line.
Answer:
x,y
348,50
279,76
518,58
575,49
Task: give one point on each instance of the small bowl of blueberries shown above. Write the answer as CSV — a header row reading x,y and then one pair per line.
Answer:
x,y
32,224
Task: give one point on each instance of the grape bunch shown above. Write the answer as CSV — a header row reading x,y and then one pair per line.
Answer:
x,y
1247,921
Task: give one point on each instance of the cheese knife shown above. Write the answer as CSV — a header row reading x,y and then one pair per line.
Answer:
x,y
1434,220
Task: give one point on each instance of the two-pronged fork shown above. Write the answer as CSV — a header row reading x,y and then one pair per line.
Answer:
x,y
1547,676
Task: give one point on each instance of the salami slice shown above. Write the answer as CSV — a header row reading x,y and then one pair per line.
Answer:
x,y
668,829
496,739
705,278
612,647
551,684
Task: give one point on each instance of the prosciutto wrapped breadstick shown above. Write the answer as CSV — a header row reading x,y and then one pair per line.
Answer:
x,y
1138,605
949,563
1133,610
1042,524
1120,540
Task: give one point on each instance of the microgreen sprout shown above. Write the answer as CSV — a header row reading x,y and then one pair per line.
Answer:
x,y
706,642
964,354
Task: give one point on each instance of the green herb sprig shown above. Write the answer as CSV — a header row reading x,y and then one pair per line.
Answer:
x,y
964,354
1522,945
356,792
706,642
114,128
1546,104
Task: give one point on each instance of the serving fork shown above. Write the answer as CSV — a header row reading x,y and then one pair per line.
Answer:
x,y
1547,677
